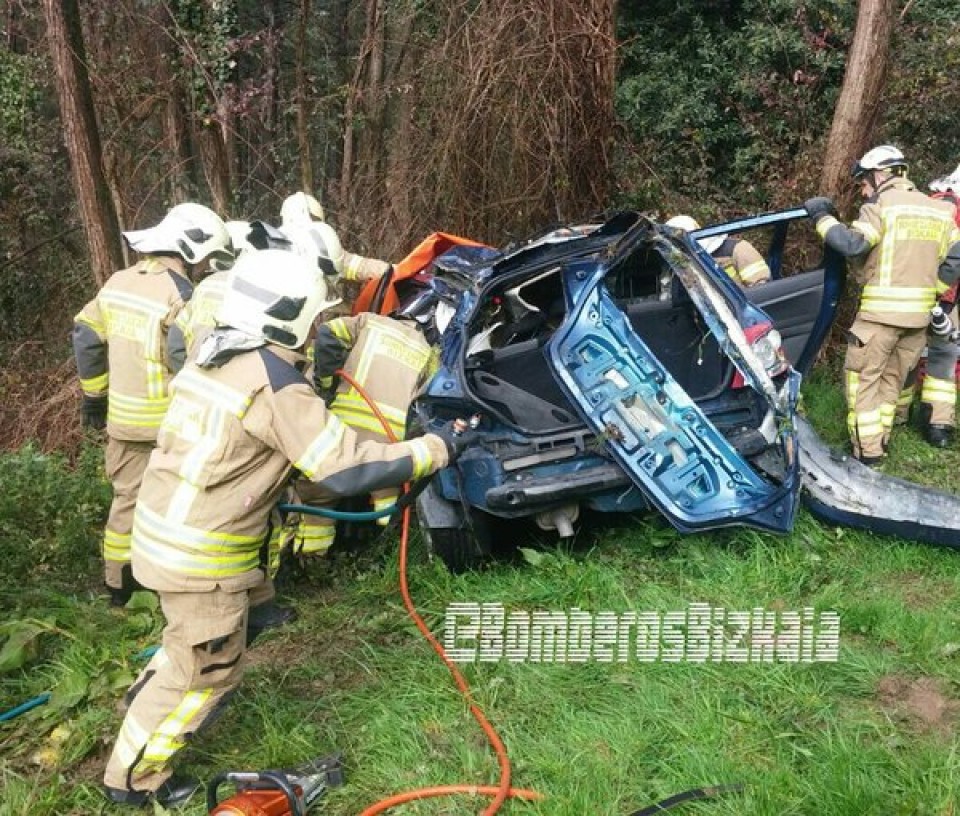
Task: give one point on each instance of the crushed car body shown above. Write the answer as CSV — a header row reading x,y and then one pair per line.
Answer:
x,y
615,367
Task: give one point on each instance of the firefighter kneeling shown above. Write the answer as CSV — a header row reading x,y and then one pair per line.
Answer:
x,y
240,414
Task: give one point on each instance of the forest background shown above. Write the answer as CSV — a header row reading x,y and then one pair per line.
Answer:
x,y
486,118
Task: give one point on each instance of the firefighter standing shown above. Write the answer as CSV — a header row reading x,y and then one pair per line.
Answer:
x,y
240,414
126,355
735,256
907,242
938,395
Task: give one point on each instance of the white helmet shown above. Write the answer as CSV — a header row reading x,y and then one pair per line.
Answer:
x,y
884,157
684,222
689,224
300,208
319,244
192,231
947,184
274,294
239,236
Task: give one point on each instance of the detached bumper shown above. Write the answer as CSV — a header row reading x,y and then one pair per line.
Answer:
x,y
841,491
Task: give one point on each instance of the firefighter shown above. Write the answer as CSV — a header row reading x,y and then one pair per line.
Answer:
x,y
938,395
303,209
735,256
240,414
907,244
389,359
126,354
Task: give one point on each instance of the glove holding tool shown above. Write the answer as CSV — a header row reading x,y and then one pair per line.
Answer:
x,y
289,792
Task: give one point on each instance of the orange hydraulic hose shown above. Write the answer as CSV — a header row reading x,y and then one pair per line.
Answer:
x,y
502,791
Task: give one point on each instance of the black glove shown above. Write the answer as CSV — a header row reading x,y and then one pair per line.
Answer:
x,y
93,412
819,206
456,438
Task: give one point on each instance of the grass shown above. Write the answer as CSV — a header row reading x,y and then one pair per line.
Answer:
x,y
873,733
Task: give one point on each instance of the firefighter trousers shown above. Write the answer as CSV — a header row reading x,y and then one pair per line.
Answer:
x,y
124,463
878,360
184,686
939,390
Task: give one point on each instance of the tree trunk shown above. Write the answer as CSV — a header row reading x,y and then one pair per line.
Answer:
x,y
856,112
81,136
303,99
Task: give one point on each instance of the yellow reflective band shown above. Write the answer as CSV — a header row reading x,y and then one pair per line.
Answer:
x,y
325,443
359,418
192,381
98,327
314,539
351,267
95,386
168,738
853,385
755,270
868,231
936,390
125,300
353,401
339,330
139,412
887,413
116,546
898,299
906,396
422,461
824,225
183,549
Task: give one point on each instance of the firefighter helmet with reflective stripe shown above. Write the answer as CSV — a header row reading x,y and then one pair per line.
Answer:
x,y
300,208
884,157
947,184
319,244
274,294
192,231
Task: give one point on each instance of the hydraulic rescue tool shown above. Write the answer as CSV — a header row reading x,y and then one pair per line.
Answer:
x,y
286,792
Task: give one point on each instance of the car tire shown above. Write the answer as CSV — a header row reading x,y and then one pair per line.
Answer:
x,y
460,549
461,537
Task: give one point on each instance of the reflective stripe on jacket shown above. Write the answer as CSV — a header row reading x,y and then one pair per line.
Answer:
x,y
199,317
742,262
223,456
905,236
358,268
121,344
388,358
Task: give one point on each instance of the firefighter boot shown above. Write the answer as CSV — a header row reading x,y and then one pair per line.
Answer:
x,y
940,436
269,615
172,793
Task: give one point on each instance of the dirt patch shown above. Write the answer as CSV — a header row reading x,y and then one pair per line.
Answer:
x,y
920,702
917,589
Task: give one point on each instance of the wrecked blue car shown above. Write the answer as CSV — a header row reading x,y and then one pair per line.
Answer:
x,y
615,367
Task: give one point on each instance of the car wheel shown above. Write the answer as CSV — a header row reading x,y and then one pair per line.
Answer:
x,y
460,537
460,549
